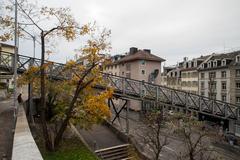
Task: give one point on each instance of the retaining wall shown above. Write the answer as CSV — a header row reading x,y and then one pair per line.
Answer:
x,y
24,146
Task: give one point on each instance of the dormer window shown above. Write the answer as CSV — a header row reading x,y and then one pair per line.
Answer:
x,y
209,64
215,63
203,65
190,64
238,58
195,63
224,62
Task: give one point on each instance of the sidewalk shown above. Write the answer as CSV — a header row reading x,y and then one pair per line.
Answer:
x,y
6,125
100,137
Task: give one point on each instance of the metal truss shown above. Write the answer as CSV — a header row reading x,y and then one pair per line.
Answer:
x,y
134,89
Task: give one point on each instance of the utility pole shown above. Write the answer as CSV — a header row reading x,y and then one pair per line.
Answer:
x,y
15,58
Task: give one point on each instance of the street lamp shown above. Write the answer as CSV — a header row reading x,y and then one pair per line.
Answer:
x,y
33,38
15,57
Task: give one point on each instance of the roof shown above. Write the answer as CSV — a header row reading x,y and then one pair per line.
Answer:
x,y
230,55
5,45
141,55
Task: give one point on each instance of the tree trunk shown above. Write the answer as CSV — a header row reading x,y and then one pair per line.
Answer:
x,y
48,143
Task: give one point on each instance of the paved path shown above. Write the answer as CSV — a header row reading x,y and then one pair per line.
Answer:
x,y
100,137
7,124
6,127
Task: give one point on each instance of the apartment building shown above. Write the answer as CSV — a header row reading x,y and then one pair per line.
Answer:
x,y
184,75
189,74
137,64
219,77
173,76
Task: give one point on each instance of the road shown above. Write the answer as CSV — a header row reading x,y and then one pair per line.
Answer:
x,y
175,145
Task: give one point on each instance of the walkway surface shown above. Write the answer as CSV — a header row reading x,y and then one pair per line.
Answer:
x,y
6,127
7,124
100,137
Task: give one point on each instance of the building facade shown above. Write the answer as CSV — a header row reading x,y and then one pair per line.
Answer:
x,y
137,64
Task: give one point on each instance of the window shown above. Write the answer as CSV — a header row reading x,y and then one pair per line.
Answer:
x,y
143,71
215,64
238,58
212,85
128,75
238,85
224,98
224,74
224,85
202,93
237,99
212,95
122,73
115,66
128,67
202,75
237,72
224,62
202,85
142,62
209,64
212,75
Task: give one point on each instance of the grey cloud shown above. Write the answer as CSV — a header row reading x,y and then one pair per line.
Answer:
x,y
171,28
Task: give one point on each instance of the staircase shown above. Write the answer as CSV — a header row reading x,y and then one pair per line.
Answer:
x,y
120,152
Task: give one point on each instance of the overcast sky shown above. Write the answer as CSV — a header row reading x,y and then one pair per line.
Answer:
x,y
172,29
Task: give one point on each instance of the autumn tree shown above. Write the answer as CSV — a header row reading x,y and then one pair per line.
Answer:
x,y
196,139
74,97
50,23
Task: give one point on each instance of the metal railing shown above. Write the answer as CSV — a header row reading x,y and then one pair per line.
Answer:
x,y
134,89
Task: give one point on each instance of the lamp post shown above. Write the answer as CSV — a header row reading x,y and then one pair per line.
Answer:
x,y
15,58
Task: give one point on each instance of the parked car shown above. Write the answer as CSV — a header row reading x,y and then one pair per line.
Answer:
x,y
230,138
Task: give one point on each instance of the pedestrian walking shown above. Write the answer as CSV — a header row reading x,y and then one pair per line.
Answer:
x,y
19,98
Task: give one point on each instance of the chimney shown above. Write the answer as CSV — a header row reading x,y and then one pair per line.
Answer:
x,y
133,50
185,59
147,50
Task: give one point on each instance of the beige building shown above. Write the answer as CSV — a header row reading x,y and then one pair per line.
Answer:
x,y
140,65
189,74
219,78
184,75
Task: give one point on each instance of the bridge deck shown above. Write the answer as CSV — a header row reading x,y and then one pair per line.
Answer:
x,y
134,89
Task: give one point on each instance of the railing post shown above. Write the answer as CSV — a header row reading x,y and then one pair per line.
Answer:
x,y
123,86
157,93
141,90
127,120
171,91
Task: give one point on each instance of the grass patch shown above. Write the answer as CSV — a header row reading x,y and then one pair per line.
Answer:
x,y
70,149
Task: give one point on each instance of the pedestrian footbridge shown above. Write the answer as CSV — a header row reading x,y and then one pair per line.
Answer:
x,y
133,89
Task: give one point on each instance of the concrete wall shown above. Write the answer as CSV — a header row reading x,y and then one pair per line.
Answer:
x,y
24,146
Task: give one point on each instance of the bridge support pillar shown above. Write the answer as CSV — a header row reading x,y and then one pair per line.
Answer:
x,y
118,111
